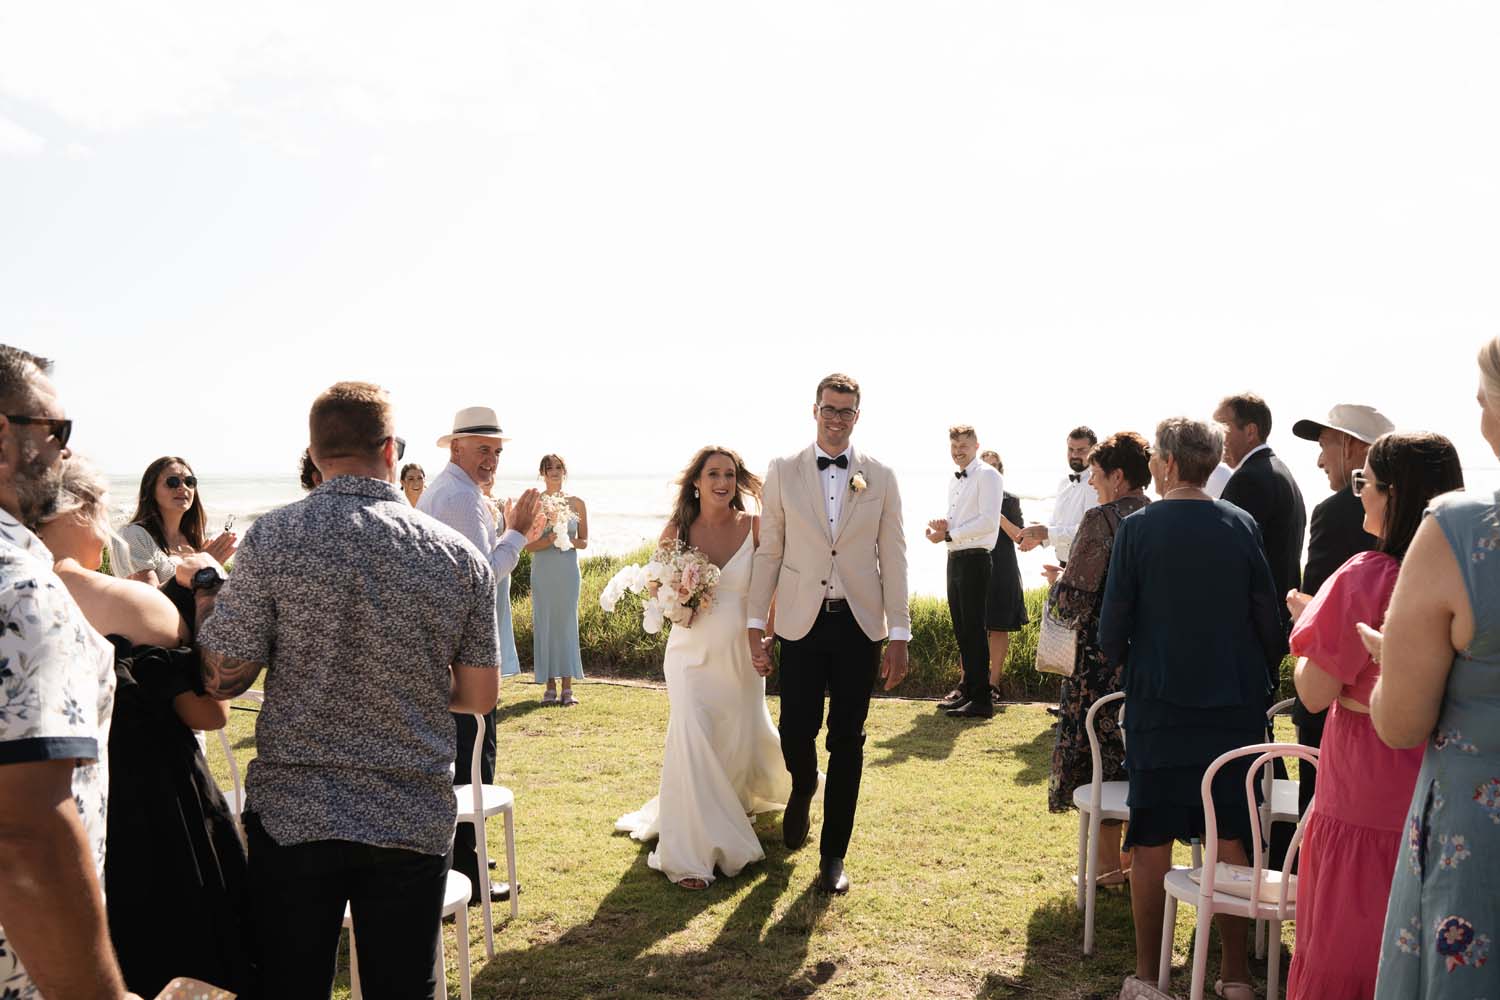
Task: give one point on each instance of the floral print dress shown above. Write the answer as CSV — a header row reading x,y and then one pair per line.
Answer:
x,y
1444,909
1077,597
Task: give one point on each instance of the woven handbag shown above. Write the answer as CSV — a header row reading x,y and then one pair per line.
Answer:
x,y
1056,644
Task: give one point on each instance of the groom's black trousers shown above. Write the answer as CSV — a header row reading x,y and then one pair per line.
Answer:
x,y
968,587
837,657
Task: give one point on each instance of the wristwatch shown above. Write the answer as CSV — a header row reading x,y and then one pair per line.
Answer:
x,y
208,578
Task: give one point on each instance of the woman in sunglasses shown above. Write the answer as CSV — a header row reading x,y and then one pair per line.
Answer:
x,y
169,524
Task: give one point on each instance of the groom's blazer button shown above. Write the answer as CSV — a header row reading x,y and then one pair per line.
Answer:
x,y
835,552
823,582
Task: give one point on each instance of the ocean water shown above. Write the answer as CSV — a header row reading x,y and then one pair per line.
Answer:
x,y
626,511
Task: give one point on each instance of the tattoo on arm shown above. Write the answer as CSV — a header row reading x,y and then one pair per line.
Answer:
x,y
225,677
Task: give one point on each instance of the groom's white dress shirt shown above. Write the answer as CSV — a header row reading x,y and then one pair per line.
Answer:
x,y
1075,497
456,500
974,507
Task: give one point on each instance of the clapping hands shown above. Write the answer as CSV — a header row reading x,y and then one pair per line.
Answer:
x,y
223,546
936,529
521,515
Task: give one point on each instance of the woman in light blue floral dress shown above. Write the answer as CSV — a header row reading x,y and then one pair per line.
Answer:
x,y
1440,683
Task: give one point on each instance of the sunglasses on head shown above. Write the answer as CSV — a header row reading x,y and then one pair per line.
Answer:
x,y
191,482
56,427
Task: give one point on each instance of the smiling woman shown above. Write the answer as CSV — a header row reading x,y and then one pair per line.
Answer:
x,y
169,524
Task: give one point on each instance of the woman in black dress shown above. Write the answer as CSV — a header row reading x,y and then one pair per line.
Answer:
x,y
1191,612
174,868
1005,604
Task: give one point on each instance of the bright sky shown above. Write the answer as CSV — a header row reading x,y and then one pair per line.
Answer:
x,y
638,227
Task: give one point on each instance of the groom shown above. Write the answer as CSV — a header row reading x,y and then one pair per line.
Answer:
x,y
833,554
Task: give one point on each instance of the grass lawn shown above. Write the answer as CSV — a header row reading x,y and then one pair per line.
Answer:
x,y
961,876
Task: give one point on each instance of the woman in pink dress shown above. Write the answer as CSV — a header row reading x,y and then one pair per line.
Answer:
x,y
1353,829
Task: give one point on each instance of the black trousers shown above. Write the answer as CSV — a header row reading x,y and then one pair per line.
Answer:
x,y
465,855
968,585
838,658
297,898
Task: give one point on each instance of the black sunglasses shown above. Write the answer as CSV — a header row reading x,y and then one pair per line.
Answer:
x,y
191,482
1358,480
58,428
400,445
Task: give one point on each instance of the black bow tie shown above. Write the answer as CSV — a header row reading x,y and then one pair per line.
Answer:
x,y
1074,477
961,474
842,462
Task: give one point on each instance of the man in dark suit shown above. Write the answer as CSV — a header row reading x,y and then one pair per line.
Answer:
x,y
1337,533
1262,486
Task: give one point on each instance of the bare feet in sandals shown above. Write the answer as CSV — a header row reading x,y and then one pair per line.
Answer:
x,y
693,883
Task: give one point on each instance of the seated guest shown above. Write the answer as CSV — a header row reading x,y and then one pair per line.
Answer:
x,y
1352,836
1190,611
413,482
1005,603
174,871
1439,688
169,523
1119,471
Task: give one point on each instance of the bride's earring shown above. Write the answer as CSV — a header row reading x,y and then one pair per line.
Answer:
x,y
695,492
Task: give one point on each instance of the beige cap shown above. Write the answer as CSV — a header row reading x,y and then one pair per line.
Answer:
x,y
1363,423
474,421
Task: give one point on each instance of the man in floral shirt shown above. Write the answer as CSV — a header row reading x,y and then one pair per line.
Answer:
x,y
57,686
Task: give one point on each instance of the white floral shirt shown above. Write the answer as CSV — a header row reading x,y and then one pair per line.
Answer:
x,y
57,691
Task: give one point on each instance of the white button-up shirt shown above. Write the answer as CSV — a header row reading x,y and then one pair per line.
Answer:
x,y
1074,499
974,507
456,500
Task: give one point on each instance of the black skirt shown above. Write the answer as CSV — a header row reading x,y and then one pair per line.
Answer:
x,y
1005,604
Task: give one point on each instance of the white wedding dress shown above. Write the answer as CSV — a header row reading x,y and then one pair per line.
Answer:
x,y
723,756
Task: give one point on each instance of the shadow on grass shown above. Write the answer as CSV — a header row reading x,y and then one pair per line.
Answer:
x,y
624,948
930,737
1035,758
1055,965
517,709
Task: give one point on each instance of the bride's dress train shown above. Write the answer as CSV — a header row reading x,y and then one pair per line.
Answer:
x,y
723,755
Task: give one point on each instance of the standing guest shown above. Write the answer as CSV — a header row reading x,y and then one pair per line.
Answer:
x,y
555,582
308,475
1120,471
174,868
1074,498
1335,535
413,482
169,523
361,609
457,498
1005,605
1352,837
1439,688
1262,486
1190,611
54,760
970,530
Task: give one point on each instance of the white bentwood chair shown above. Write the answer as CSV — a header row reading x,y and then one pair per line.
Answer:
x,y
1100,800
235,794
476,801
1271,894
1278,803
455,904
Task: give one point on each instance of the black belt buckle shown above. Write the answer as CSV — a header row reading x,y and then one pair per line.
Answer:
x,y
835,606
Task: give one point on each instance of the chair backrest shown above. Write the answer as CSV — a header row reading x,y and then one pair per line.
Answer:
x,y
1264,753
476,788
1268,776
1096,782
259,697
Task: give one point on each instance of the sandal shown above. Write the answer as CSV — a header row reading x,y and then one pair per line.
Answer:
x,y
568,699
1241,991
693,882
549,697
1111,879
1135,988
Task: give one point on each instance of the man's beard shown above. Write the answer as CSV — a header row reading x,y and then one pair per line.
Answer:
x,y
1077,464
37,485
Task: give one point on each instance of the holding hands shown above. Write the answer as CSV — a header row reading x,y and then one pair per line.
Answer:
x,y
760,651
1031,537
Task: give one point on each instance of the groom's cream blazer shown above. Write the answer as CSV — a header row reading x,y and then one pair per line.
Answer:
x,y
798,551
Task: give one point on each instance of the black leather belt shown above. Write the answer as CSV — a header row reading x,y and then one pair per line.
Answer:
x,y
967,553
836,606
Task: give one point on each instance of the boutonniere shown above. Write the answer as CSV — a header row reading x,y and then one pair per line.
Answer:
x,y
857,482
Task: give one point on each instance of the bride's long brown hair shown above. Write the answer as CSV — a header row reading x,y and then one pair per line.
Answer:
x,y
687,508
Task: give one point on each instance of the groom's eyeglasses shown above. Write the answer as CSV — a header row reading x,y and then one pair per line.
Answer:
x,y
56,427
833,412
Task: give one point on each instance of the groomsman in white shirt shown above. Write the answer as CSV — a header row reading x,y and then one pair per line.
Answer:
x,y
970,531
1075,497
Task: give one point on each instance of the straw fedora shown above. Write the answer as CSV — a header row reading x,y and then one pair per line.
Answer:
x,y
474,421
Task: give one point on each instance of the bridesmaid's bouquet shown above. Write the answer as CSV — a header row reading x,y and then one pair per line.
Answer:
x,y
677,583
557,514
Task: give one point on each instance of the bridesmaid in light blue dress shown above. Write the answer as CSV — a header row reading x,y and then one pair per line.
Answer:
x,y
555,584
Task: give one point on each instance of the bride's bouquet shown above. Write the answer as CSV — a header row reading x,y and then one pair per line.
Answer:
x,y
677,583
557,514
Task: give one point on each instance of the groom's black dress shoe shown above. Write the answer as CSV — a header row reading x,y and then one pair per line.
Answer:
x,y
972,710
794,821
953,699
831,877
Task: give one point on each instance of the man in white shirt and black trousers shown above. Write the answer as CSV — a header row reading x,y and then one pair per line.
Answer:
x,y
1076,496
970,530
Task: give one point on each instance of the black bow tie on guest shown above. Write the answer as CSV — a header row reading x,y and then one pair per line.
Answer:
x,y
842,462
1075,477
961,474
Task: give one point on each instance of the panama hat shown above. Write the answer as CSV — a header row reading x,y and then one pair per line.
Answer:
x,y
1363,423
474,421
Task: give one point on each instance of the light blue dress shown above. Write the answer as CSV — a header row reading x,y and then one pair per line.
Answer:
x,y
1444,912
555,583
510,660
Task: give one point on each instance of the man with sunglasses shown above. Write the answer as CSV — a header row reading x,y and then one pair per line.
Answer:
x,y
57,685
376,622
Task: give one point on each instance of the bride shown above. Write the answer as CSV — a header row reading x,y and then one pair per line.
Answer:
x,y
723,755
